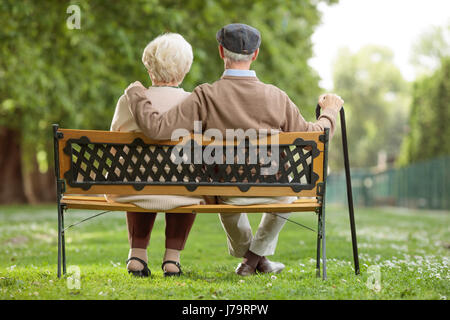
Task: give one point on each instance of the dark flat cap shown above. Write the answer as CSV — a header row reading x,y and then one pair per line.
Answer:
x,y
239,38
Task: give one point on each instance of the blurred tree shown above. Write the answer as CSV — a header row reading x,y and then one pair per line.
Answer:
x,y
430,48
429,129
52,74
376,106
430,109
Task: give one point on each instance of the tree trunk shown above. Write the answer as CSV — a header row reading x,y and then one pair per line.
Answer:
x,y
11,182
40,187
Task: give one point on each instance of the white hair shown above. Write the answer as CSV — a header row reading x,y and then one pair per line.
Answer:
x,y
168,58
236,56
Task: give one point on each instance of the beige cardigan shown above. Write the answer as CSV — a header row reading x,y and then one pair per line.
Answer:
x,y
123,120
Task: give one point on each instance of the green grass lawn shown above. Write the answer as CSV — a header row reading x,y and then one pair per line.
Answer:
x,y
411,249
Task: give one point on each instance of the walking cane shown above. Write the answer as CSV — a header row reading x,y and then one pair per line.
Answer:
x,y
349,185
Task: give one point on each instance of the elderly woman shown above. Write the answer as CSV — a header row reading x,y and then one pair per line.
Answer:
x,y
168,59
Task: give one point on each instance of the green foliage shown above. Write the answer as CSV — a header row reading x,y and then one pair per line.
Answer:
x,y
429,129
51,74
430,48
376,105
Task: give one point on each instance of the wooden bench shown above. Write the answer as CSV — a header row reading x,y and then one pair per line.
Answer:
x,y
91,163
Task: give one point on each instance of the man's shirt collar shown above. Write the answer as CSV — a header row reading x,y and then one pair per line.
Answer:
x,y
239,73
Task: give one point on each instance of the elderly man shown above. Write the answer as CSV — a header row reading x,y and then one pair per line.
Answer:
x,y
237,101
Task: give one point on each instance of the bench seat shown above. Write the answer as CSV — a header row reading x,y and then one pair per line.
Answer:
x,y
100,203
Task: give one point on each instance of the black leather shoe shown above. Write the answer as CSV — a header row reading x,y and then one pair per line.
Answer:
x,y
144,273
172,274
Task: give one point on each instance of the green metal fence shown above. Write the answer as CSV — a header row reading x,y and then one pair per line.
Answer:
x,y
420,185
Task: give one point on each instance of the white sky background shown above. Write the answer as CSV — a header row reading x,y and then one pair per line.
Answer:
x,y
393,23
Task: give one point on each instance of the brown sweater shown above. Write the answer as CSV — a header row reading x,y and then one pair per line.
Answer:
x,y
229,103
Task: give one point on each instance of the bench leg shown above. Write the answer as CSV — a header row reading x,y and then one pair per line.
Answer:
x,y
60,228
321,243
324,253
63,244
319,238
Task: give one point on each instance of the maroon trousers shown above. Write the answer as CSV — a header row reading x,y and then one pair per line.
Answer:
x,y
140,225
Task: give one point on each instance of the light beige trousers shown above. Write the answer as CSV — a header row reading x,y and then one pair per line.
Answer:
x,y
240,236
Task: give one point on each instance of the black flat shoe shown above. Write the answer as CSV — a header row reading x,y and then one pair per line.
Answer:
x,y
141,273
172,274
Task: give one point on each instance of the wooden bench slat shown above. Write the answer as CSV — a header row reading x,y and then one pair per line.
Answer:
x,y
127,137
266,191
100,203
102,198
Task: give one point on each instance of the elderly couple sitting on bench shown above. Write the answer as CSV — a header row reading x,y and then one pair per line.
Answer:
x,y
238,100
